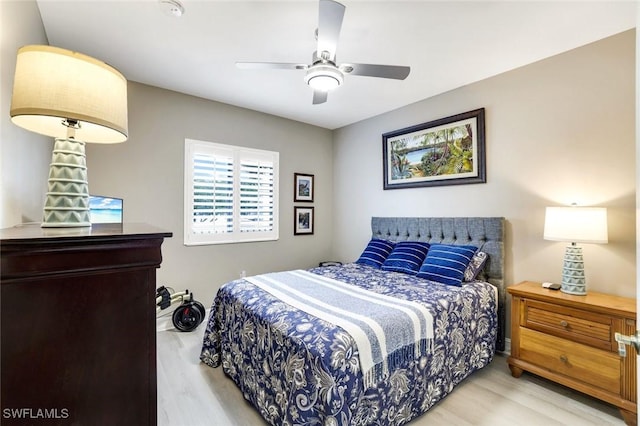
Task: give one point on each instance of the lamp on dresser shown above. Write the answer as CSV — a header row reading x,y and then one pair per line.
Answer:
x,y
575,225
75,99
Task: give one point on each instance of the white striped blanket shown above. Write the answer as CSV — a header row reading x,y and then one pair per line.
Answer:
x,y
386,329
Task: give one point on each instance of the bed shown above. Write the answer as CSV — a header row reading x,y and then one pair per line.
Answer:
x,y
299,366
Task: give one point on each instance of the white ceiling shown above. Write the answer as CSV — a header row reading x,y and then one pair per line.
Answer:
x,y
447,44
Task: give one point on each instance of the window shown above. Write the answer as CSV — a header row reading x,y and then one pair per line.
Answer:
x,y
230,194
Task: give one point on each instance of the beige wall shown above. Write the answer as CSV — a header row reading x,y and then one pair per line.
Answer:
x,y
637,157
557,131
147,172
24,156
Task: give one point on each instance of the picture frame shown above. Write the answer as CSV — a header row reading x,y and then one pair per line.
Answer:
x,y
303,220
447,151
303,187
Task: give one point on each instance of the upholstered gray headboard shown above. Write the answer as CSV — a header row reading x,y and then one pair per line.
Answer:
x,y
486,233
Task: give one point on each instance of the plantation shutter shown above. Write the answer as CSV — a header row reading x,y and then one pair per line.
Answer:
x,y
230,194
212,192
256,195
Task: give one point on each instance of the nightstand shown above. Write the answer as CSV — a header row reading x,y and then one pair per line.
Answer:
x,y
570,340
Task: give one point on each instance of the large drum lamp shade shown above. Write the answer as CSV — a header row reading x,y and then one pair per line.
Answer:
x,y
53,84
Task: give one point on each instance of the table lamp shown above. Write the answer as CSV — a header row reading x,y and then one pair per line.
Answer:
x,y
75,99
575,225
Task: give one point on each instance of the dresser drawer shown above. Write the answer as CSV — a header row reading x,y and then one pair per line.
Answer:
x,y
579,326
596,367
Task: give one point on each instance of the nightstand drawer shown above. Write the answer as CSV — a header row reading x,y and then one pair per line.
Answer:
x,y
593,366
580,326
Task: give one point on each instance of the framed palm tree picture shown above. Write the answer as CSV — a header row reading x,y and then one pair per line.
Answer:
x,y
447,151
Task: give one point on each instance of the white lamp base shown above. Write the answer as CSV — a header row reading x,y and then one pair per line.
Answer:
x,y
67,202
573,279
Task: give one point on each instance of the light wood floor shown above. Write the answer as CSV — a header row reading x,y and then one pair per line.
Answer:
x,y
192,394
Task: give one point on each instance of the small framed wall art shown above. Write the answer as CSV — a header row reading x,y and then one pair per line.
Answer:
x,y
303,221
303,186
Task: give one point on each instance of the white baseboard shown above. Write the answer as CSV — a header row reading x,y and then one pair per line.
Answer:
x,y
507,347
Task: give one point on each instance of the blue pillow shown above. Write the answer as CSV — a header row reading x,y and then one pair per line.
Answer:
x,y
375,253
406,256
446,263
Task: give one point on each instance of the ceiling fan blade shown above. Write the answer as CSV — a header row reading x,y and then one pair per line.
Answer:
x,y
329,25
319,97
270,66
383,71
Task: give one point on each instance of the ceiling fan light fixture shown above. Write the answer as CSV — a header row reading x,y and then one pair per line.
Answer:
x,y
324,77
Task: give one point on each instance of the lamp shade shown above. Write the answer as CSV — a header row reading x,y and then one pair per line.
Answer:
x,y
53,84
576,224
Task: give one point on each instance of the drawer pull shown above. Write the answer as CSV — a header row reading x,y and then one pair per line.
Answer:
x,y
564,359
564,323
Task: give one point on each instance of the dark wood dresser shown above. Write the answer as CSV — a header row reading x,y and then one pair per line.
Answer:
x,y
78,333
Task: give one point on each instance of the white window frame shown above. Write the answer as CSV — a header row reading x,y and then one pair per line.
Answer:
x,y
239,156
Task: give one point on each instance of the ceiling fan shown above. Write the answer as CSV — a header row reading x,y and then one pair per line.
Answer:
x,y
324,74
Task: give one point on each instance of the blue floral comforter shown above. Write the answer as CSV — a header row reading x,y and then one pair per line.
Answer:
x,y
299,370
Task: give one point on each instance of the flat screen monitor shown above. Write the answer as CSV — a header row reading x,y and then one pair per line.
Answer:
x,y
105,209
